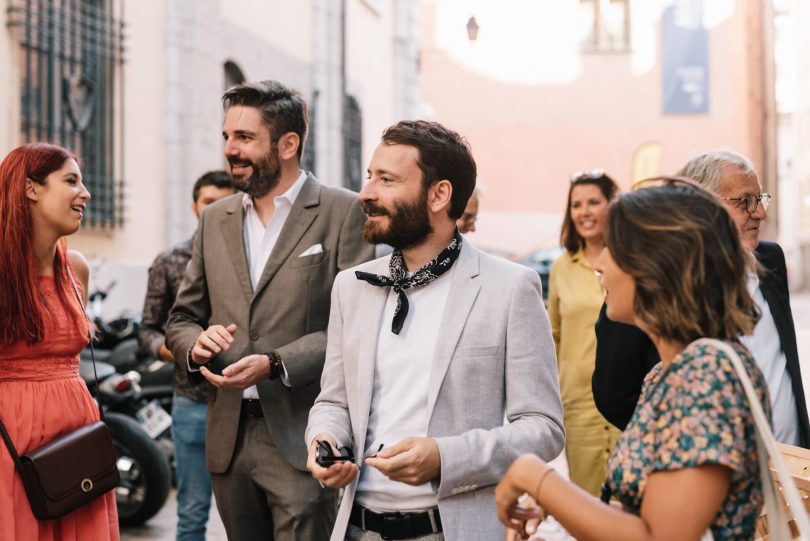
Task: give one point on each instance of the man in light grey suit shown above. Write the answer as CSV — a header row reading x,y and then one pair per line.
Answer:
x,y
429,350
252,311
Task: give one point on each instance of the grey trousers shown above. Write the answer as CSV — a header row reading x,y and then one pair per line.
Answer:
x,y
353,533
263,497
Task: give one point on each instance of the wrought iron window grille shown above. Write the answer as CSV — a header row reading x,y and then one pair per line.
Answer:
x,y
70,59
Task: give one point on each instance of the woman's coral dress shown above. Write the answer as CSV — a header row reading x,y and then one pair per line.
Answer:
x,y
42,397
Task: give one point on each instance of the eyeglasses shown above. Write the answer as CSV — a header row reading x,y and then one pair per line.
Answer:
x,y
593,174
751,202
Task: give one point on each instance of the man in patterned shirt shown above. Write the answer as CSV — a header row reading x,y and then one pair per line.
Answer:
x,y
189,406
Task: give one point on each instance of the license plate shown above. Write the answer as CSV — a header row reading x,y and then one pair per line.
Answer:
x,y
154,419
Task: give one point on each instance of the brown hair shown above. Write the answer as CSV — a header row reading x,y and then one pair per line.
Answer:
x,y
283,109
682,249
569,238
443,154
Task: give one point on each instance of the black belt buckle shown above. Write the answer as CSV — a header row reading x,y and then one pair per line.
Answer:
x,y
396,526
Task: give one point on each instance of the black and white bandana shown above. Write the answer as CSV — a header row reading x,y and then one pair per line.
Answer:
x,y
400,281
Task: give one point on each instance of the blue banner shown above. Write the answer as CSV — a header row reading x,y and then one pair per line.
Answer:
x,y
684,58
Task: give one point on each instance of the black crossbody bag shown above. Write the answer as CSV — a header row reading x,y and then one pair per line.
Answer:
x,y
71,470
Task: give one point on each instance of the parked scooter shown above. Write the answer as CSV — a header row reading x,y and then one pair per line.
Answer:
x,y
142,463
116,345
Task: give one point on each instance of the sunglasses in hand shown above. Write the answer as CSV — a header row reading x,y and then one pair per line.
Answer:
x,y
325,457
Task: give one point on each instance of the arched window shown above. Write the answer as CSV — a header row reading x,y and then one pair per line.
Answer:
x,y
233,75
353,144
310,145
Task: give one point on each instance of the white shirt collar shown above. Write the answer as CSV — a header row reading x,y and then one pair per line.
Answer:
x,y
290,195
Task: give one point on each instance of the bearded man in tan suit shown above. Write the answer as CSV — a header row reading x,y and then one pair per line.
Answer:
x,y
252,312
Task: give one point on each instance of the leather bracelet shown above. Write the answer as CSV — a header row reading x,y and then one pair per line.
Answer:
x,y
192,362
275,364
536,493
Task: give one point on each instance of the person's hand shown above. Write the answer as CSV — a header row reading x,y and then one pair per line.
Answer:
x,y
212,341
165,354
414,461
531,520
522,516
244,373
337,475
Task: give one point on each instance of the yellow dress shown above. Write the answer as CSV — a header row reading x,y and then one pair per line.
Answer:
x,y
574,301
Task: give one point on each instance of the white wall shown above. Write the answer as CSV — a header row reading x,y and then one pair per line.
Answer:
x,y
10,89
370,68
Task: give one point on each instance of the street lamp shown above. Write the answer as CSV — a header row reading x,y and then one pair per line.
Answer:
x,y
472,29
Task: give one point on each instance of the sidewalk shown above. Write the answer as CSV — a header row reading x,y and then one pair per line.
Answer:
x,y
162,526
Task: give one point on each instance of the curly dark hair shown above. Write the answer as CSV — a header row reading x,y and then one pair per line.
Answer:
x,y
220,179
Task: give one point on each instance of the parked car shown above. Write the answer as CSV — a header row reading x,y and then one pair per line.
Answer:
x,y
541,261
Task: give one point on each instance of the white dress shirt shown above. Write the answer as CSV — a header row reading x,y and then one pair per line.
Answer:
x,y
399,407
259,243
767,350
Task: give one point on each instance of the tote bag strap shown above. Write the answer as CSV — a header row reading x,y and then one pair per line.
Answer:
x,y
766,447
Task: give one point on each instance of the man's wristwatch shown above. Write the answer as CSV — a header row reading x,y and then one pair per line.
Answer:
x,y
275,364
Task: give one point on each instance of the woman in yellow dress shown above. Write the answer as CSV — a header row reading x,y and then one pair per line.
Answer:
x,y
574,301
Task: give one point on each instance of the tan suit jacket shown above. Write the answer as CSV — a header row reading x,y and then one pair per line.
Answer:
x,y
288,312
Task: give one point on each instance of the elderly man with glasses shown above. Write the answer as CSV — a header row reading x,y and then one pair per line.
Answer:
x,y
624,354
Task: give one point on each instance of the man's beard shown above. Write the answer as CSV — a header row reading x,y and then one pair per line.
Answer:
x,y
265,176
408,224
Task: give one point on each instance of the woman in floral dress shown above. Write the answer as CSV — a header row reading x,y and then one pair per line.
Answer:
x,y
687,461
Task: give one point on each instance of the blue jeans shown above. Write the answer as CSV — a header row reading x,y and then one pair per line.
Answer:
x,y
193,479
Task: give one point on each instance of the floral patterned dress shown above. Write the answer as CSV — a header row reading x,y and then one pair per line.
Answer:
x,y
691,414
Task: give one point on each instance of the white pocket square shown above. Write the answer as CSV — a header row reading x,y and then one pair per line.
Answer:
x,y
312,250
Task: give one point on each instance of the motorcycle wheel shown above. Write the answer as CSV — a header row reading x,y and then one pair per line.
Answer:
x,y
144,470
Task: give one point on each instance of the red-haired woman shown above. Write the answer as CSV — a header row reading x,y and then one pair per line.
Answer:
x,y
42,331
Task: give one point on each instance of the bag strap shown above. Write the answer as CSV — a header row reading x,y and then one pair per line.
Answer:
x,y
90,342
766,447
11,449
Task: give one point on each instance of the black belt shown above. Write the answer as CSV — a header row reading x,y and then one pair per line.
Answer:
x,y
251,408
397,525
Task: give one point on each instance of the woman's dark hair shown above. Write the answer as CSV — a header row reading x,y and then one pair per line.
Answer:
x,y
443,155
683,250
569,238
283,109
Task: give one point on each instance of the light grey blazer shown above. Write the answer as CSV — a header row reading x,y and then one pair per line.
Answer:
x,y
494,359
287,311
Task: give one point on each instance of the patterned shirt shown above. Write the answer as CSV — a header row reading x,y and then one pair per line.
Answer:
x,y
691,414
165,275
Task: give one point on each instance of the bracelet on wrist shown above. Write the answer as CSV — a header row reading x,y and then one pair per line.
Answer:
x,y
539,485
275,364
